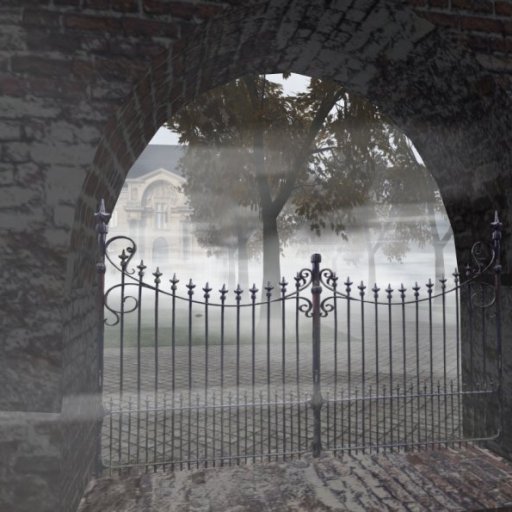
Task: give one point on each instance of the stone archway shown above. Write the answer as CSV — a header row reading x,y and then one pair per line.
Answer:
x,y
122,68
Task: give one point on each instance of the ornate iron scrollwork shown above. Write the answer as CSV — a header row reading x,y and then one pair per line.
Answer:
x,y
125,255
327,306
124,298
303,279
485,260
306,307
329,279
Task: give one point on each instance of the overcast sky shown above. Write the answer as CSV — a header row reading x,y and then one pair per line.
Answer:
x,y
293,85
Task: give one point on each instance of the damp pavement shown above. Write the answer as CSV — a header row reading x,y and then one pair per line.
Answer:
x,y
461,479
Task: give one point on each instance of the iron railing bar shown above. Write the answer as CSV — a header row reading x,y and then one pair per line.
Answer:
x,y
348,285
483,336
197,427
164,428
110,437
211,459
238,293
230,398
470,335
416,289
346,448
157,275
445,377
297,355
291,423
392,418
293,295
190,287
357,416
253,291
214,425
174,282
431,352
261,425
335,313
268,290
389,292
141,268
245,424
376,290
402,291
414,395
328,408
362,289
206,291
283,285
276,412
457,342
223,293
367,398
181,429
147,437
129,437
147,286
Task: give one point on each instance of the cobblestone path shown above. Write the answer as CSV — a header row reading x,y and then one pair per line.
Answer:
x,y
469,479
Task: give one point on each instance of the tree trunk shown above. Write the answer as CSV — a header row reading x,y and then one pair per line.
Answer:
x,y
243,262
271,263
231,269
439,261
372,278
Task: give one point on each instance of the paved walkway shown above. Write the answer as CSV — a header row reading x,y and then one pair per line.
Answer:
x,y
468,479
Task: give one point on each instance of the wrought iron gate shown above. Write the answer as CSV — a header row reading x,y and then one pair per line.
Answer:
x,y
196,377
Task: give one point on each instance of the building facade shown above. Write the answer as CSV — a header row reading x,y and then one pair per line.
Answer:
x,y
152,209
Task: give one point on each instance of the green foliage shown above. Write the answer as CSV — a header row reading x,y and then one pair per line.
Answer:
x,y
255,155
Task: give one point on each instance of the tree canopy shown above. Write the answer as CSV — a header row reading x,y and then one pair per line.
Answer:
x,y
260,161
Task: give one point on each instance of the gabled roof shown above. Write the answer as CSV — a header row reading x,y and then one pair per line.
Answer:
x,y
151,174
155,157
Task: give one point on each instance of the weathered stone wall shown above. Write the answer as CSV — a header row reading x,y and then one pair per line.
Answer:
x,y
30,450
84,85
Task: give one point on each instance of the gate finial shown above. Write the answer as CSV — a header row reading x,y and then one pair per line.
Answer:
x,y
496,240
102,218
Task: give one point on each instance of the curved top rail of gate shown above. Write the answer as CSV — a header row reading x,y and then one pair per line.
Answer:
x,y
485,259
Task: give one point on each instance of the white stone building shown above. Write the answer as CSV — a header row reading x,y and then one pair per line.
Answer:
x,y
153,210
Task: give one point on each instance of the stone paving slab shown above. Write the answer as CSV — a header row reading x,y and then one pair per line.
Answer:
x,y
468,479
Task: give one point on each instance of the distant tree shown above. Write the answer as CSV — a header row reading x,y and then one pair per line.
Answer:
x,y
416,204
221,223
402,207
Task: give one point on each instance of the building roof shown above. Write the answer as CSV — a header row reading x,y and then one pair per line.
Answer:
x,y
156,156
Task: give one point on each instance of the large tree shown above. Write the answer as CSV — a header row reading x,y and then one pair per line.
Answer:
x,y
315,152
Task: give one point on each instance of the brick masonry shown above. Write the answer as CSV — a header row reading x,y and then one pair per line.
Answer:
x,y
84,84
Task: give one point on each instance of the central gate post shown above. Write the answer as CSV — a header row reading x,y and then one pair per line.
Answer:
x,y
316,399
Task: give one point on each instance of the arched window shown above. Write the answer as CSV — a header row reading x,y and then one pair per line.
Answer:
x,y
158,199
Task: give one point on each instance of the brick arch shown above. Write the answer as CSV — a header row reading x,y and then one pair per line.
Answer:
x,y
424,78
